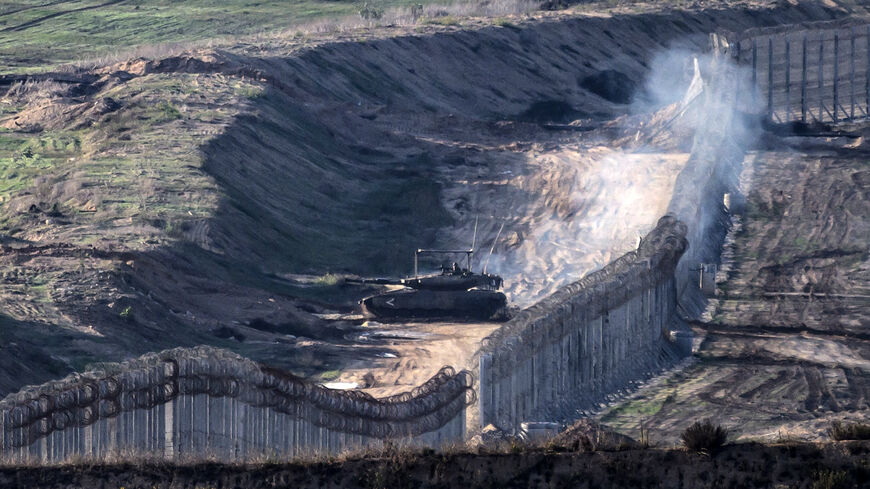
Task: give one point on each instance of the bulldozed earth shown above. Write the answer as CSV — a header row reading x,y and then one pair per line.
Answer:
x,y
220,195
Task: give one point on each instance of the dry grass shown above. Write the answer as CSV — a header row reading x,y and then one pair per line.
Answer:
x,y
396,453
24,92
494,10
830,479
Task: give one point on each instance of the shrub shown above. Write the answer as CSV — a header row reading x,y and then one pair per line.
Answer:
x,y
416,11
370,12
127,313
704,436
327,280
330,375
849,431
516,447
447,20
828,479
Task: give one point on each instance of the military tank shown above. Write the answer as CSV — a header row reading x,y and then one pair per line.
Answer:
x,y
454,293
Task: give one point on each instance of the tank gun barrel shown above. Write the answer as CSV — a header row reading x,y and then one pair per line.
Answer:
x,y
373,281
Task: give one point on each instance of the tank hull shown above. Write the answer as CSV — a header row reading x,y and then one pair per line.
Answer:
x,y
460,304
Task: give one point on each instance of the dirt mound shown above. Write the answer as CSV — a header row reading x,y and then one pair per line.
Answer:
x,y
199,61
588,436
492,438
60,113
550,111
611,85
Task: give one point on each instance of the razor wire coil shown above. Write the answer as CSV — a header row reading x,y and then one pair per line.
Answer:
x,y
155,379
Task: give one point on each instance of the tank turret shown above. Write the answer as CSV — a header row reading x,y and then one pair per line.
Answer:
x,y
455,292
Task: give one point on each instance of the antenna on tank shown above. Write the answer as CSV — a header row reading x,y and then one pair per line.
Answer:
x,y
486,263
473,242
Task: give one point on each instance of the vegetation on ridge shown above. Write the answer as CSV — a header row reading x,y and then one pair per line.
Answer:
x,y
44,35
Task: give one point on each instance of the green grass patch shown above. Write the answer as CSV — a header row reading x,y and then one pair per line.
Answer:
x,y
638,408
24,157
249,91
166,112
504,22
330,375
132,166
327,280
445,20
43,35
801,243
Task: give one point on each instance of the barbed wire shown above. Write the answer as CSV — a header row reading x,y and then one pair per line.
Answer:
x,y
634,272
157,378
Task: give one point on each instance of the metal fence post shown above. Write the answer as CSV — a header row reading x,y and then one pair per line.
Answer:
x,y
804,80
836,76
787,79
821,76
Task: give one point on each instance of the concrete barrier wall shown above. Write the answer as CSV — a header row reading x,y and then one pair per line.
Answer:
x,y
809,72
205,402
589,340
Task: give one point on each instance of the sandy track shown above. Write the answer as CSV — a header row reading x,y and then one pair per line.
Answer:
x,y
419,350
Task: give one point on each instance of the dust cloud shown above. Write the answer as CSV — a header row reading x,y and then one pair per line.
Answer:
x,y
615,198
591,202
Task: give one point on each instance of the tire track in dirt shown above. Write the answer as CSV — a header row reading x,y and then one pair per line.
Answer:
x,y
64,250
857,381
199,234
24,9
814,393
769,384
730,385
749,330
34,22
